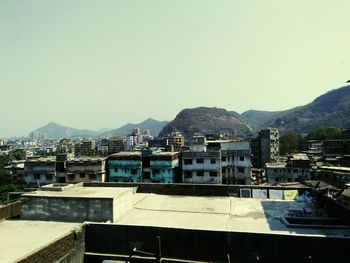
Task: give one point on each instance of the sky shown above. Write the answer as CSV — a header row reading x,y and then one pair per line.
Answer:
x,y
95,64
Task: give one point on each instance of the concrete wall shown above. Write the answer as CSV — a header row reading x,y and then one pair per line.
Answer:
x,y
68,249
214,246
121,205
67,209
192,189
10,210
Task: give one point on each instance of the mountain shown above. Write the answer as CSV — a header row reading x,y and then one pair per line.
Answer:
x,y
205,120
257,118
54,130
152,125
329,109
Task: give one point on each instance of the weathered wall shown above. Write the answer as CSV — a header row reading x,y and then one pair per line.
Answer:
x,y
10,210
67,209
191,189
67,249
121,205
212,245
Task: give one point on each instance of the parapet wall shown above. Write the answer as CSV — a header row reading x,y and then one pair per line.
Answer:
x,y
192,189
69,248
111,241
10,210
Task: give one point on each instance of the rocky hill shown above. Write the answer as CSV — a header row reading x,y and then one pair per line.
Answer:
x,y
329,109
206,120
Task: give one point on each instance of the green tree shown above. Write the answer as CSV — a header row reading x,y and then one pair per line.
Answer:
x,y
290,142
327,133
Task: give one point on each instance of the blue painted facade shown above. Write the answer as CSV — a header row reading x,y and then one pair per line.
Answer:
x,y
164,168
125,167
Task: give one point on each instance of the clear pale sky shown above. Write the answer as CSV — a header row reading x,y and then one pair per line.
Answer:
x,y
95,64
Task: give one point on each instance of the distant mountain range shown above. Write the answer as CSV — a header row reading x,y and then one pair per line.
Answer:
x,y
152,125
329,109
55,130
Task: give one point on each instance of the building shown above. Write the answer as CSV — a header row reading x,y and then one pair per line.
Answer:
x,y
165,167
176,139
85,147
175,223
112,145
125,167
15,170
296,168
336,148
265,147
201,167
86,169
334,175
146,162
40,171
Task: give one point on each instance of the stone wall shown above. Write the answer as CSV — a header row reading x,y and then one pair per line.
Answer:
x,y
10,210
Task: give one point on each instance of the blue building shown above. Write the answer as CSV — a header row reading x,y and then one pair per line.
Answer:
x,y
164,167
125,167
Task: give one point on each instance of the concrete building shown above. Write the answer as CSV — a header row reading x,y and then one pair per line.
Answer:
x,y
86,169
112,145
201,167
175,139
40,171
296,168
125,167
15,170
334,175
265,148
85,147
165,167
175,223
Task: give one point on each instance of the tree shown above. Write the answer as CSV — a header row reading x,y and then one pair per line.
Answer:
x,y
289,143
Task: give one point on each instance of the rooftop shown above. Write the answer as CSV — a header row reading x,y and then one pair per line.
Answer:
x,y
19,238
78,191
126,154
220,214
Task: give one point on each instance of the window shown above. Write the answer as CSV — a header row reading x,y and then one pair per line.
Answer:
x,y
188,174
212,161
82,175
295,170
156,171
200,173
133,171
213,174
200,160
241,158
115,170
241,169
37,176
187,161
223,158
92,176
48,177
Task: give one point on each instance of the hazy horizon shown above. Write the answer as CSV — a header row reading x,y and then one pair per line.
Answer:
x,y
96,64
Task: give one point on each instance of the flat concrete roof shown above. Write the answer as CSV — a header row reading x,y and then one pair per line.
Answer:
x,y
19,238
219,214
79,191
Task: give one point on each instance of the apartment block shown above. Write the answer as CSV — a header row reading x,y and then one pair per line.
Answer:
x,y
265,148
164,167
201,167
86,169
40,171
125,167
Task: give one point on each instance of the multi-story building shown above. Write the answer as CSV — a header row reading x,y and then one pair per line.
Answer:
x,y
176,139
265,147
85,147
125,167
146,162
86,169
201,167
165,167
40,171
111,145
15,170
296,168
236,162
